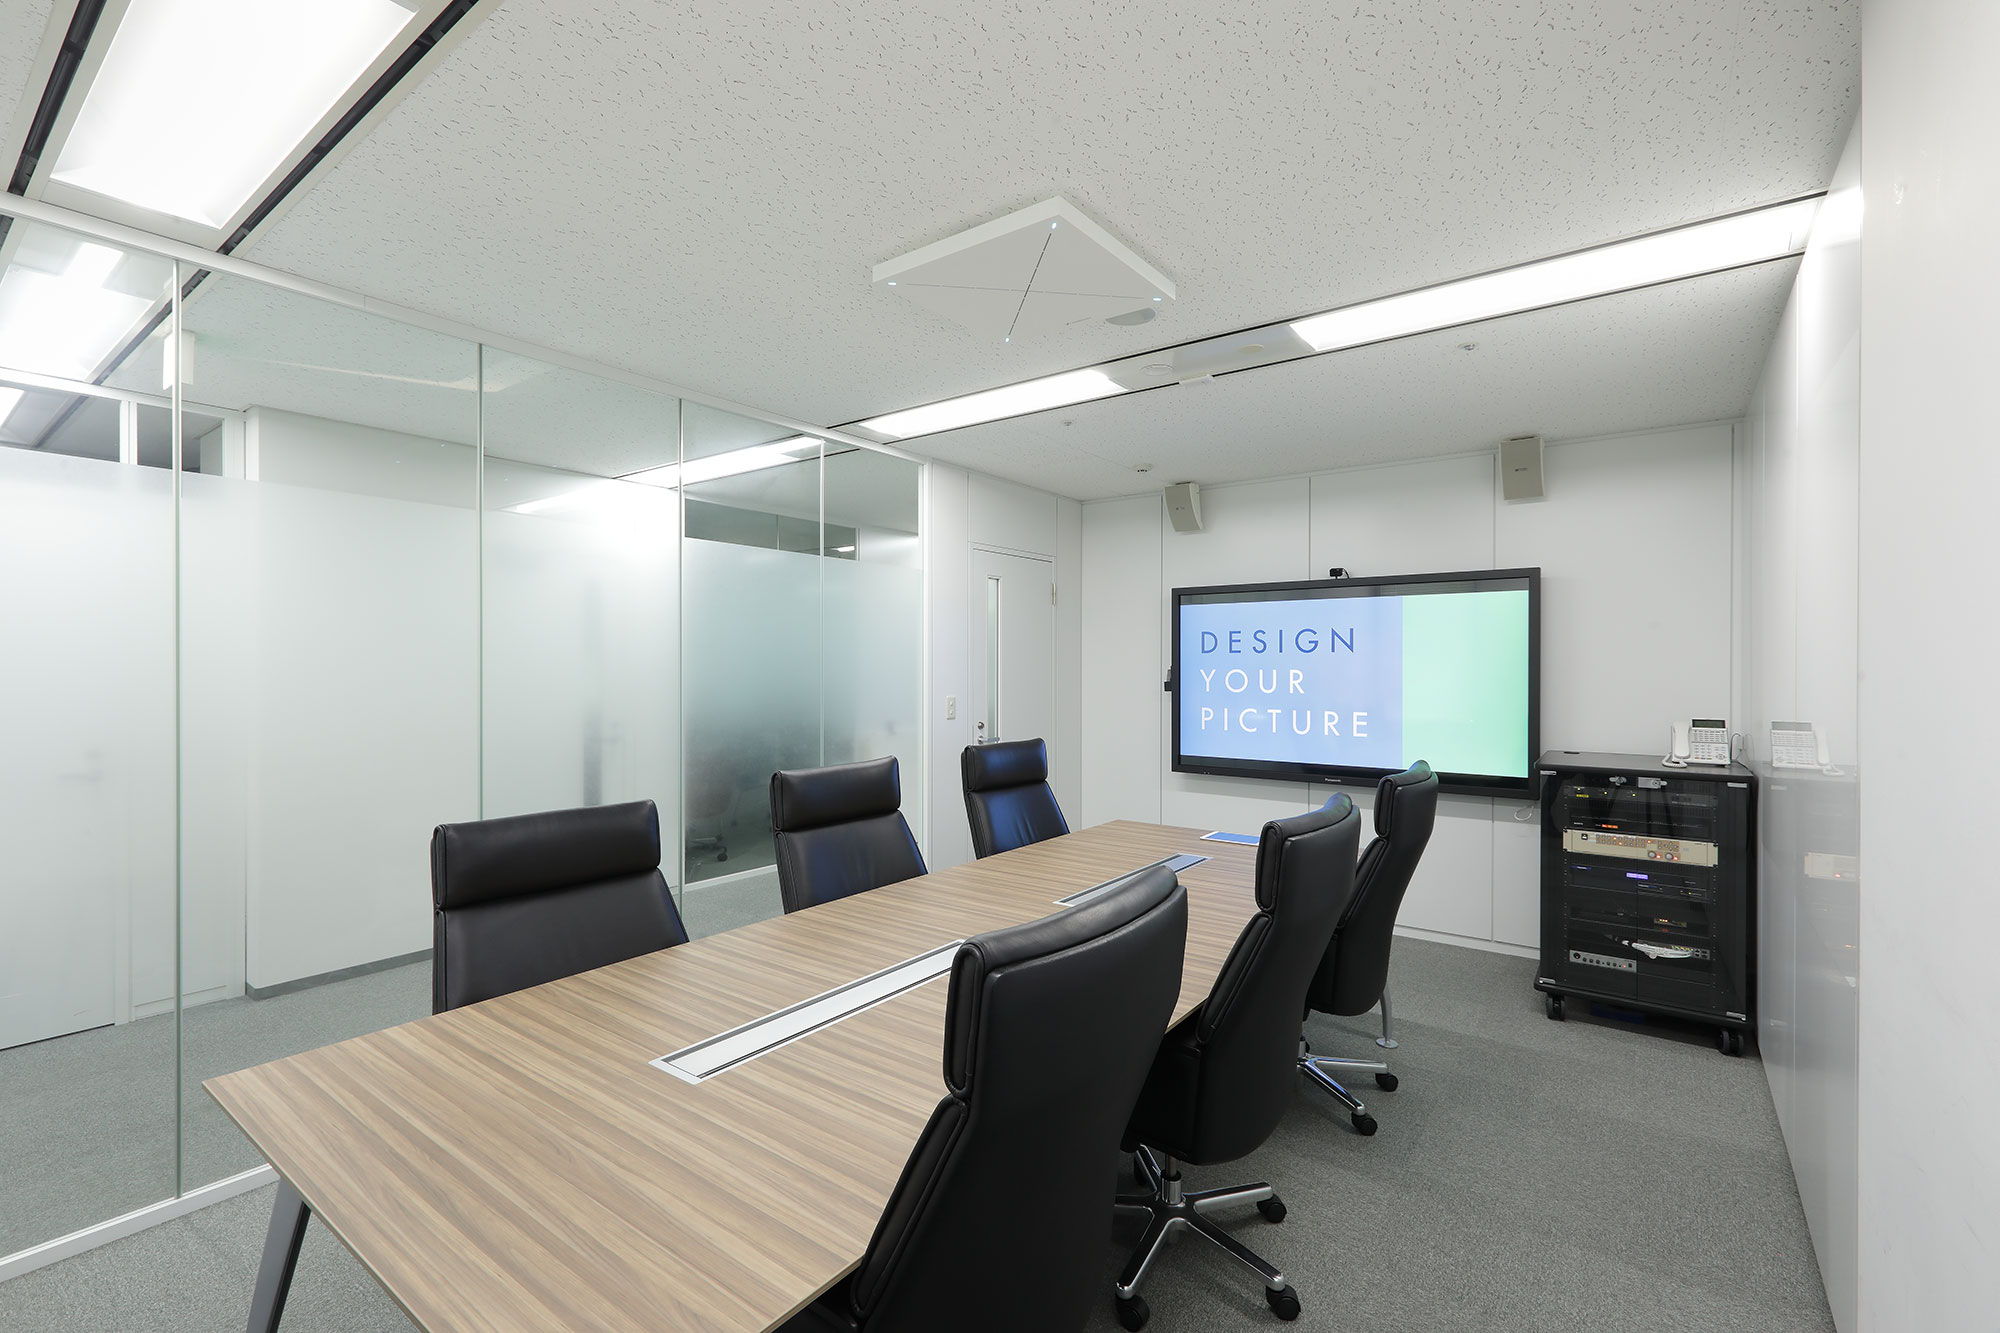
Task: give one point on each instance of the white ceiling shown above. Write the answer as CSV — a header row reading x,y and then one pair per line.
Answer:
x,y
698,192
1681,353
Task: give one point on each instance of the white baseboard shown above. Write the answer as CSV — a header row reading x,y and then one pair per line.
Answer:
x,y
166,1210
1468,942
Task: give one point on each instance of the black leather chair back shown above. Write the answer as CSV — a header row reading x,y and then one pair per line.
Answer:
x,y
531,898
1224,1078
841,831
1007,796
1356,966
1002,1218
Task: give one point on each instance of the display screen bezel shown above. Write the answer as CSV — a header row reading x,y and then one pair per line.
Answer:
x,y
1384,585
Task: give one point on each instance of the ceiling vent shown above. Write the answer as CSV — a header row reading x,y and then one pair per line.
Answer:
x,y
1031,272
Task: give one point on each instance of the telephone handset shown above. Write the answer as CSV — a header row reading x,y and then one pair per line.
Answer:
x,y
1705,740
1800,745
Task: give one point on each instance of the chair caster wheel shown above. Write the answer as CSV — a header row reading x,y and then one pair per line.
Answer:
x,y
1134,1313
1553,1004
1272,1208
720,857
1284,1304
1364,1124
1387,1082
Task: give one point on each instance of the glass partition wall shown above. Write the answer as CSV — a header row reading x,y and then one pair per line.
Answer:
x,y
397,579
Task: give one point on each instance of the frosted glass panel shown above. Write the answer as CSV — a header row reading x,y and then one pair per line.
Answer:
x,y
752,679
86,824
582,593
329,585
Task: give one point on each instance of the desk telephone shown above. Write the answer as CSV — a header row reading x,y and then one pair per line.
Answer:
x,y
1705,740
1800,745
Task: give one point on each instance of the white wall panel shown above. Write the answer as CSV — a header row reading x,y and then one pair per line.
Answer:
x,y
1066,751
1517,873
1800,496
1416,518
1121,660
1452,890
1015,517
1634,543
1929,1159
948,576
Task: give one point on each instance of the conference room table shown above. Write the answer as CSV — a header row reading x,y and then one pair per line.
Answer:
x,y
521,1164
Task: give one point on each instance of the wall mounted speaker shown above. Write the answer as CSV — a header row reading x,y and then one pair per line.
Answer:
x,y
1521,468
1184,506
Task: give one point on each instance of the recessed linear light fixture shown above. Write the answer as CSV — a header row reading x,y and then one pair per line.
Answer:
x,y
735,463
1774,231
1684,252
9,400
1012,400
198,102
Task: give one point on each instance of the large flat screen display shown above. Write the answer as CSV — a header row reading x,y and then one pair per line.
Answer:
x,y
1344,680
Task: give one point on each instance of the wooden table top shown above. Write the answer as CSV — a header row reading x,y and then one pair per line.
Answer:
x,y
518,1164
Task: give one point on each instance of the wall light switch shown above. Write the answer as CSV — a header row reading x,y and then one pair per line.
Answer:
x,y
950,707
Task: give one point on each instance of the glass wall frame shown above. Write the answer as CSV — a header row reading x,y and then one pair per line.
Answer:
x,y
386,577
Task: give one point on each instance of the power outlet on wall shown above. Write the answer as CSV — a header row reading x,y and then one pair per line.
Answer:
x,y
950,707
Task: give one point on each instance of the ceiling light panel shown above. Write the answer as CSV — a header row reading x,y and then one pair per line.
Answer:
x,y
1012,400
797,449
198,103
1705,247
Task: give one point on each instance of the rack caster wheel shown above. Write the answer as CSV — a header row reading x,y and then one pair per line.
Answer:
x,y
1134,1313
1553,1006
1284,1304
1273,1209
1729,1041
1386,1081
1364,1124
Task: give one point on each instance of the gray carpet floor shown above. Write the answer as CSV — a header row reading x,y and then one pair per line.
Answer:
x,y
1528,1175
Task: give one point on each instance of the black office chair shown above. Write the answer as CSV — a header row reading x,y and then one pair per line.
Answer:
x,y
1007,796
999,1224
531,898
1223,1078
1353,977
841,831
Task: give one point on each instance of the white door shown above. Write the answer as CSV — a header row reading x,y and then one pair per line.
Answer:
x,y
1013,647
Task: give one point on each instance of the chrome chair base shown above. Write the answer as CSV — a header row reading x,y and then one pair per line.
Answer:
x,y
1321,1069
1171,1211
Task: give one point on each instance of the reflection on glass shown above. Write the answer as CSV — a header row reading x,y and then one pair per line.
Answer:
x,y
329,591
87,1040
582,593
751,611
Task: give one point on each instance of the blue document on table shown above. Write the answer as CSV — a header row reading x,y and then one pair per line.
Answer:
x,y
1246,839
